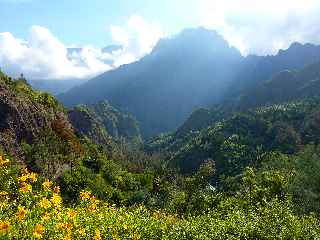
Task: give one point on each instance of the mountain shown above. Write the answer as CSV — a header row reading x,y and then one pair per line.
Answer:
x,y
257,69
283,86
55,87
187,71
250,176
243,138
86,125
196,68
248,169
100,121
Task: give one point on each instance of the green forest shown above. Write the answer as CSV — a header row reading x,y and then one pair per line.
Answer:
x,y
233,171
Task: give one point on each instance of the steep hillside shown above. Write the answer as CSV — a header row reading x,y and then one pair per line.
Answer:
x,y
26,114
242,139
258,69
190,70
105,121
283,86
87,125
196,68
36,134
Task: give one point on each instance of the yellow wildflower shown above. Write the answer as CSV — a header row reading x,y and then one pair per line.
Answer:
x,y
72,214
56,189
22,212
3,194
136,236
60,226
45,203
64,226
3,161
33,177
97,235
47,184
25,188
56,200
93,207
81,232
23,178
46,217
59,215
4,227
68,237
85,196
68,227
38,231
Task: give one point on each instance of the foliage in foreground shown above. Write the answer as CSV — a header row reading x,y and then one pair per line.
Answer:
x,y
32,208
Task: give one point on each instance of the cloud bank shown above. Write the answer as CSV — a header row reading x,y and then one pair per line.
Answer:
x,y
137,38
44,56
262,27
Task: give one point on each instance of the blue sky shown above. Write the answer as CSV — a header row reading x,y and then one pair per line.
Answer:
x,y
87,21
35,35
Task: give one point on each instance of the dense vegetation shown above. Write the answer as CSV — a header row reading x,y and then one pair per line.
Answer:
x,y
237,171
196,68
197,60
242,138
117,124
262,209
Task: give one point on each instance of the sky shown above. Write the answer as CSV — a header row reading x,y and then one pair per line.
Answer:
x,y
35,34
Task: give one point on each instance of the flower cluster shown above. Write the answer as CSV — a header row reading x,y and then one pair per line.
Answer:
x,y
34,209
3,161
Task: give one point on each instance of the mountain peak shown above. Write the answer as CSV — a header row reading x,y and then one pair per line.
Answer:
x,y
295,45
195,40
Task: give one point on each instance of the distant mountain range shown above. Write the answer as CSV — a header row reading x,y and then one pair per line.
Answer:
x,y
55,86
257,69
60,86
180,74
196,68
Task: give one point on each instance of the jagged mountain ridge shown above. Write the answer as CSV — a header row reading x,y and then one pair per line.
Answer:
x,y
196,68
258,69
163,88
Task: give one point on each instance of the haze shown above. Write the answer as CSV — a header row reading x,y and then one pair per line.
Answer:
x,y
36,36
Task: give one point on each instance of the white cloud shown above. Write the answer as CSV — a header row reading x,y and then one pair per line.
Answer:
x,y
262,27
43,56
137,38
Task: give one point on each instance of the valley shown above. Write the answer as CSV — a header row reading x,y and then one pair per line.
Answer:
x,y
192,141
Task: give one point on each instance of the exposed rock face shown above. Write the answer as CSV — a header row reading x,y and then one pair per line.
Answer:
x,y
24,114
